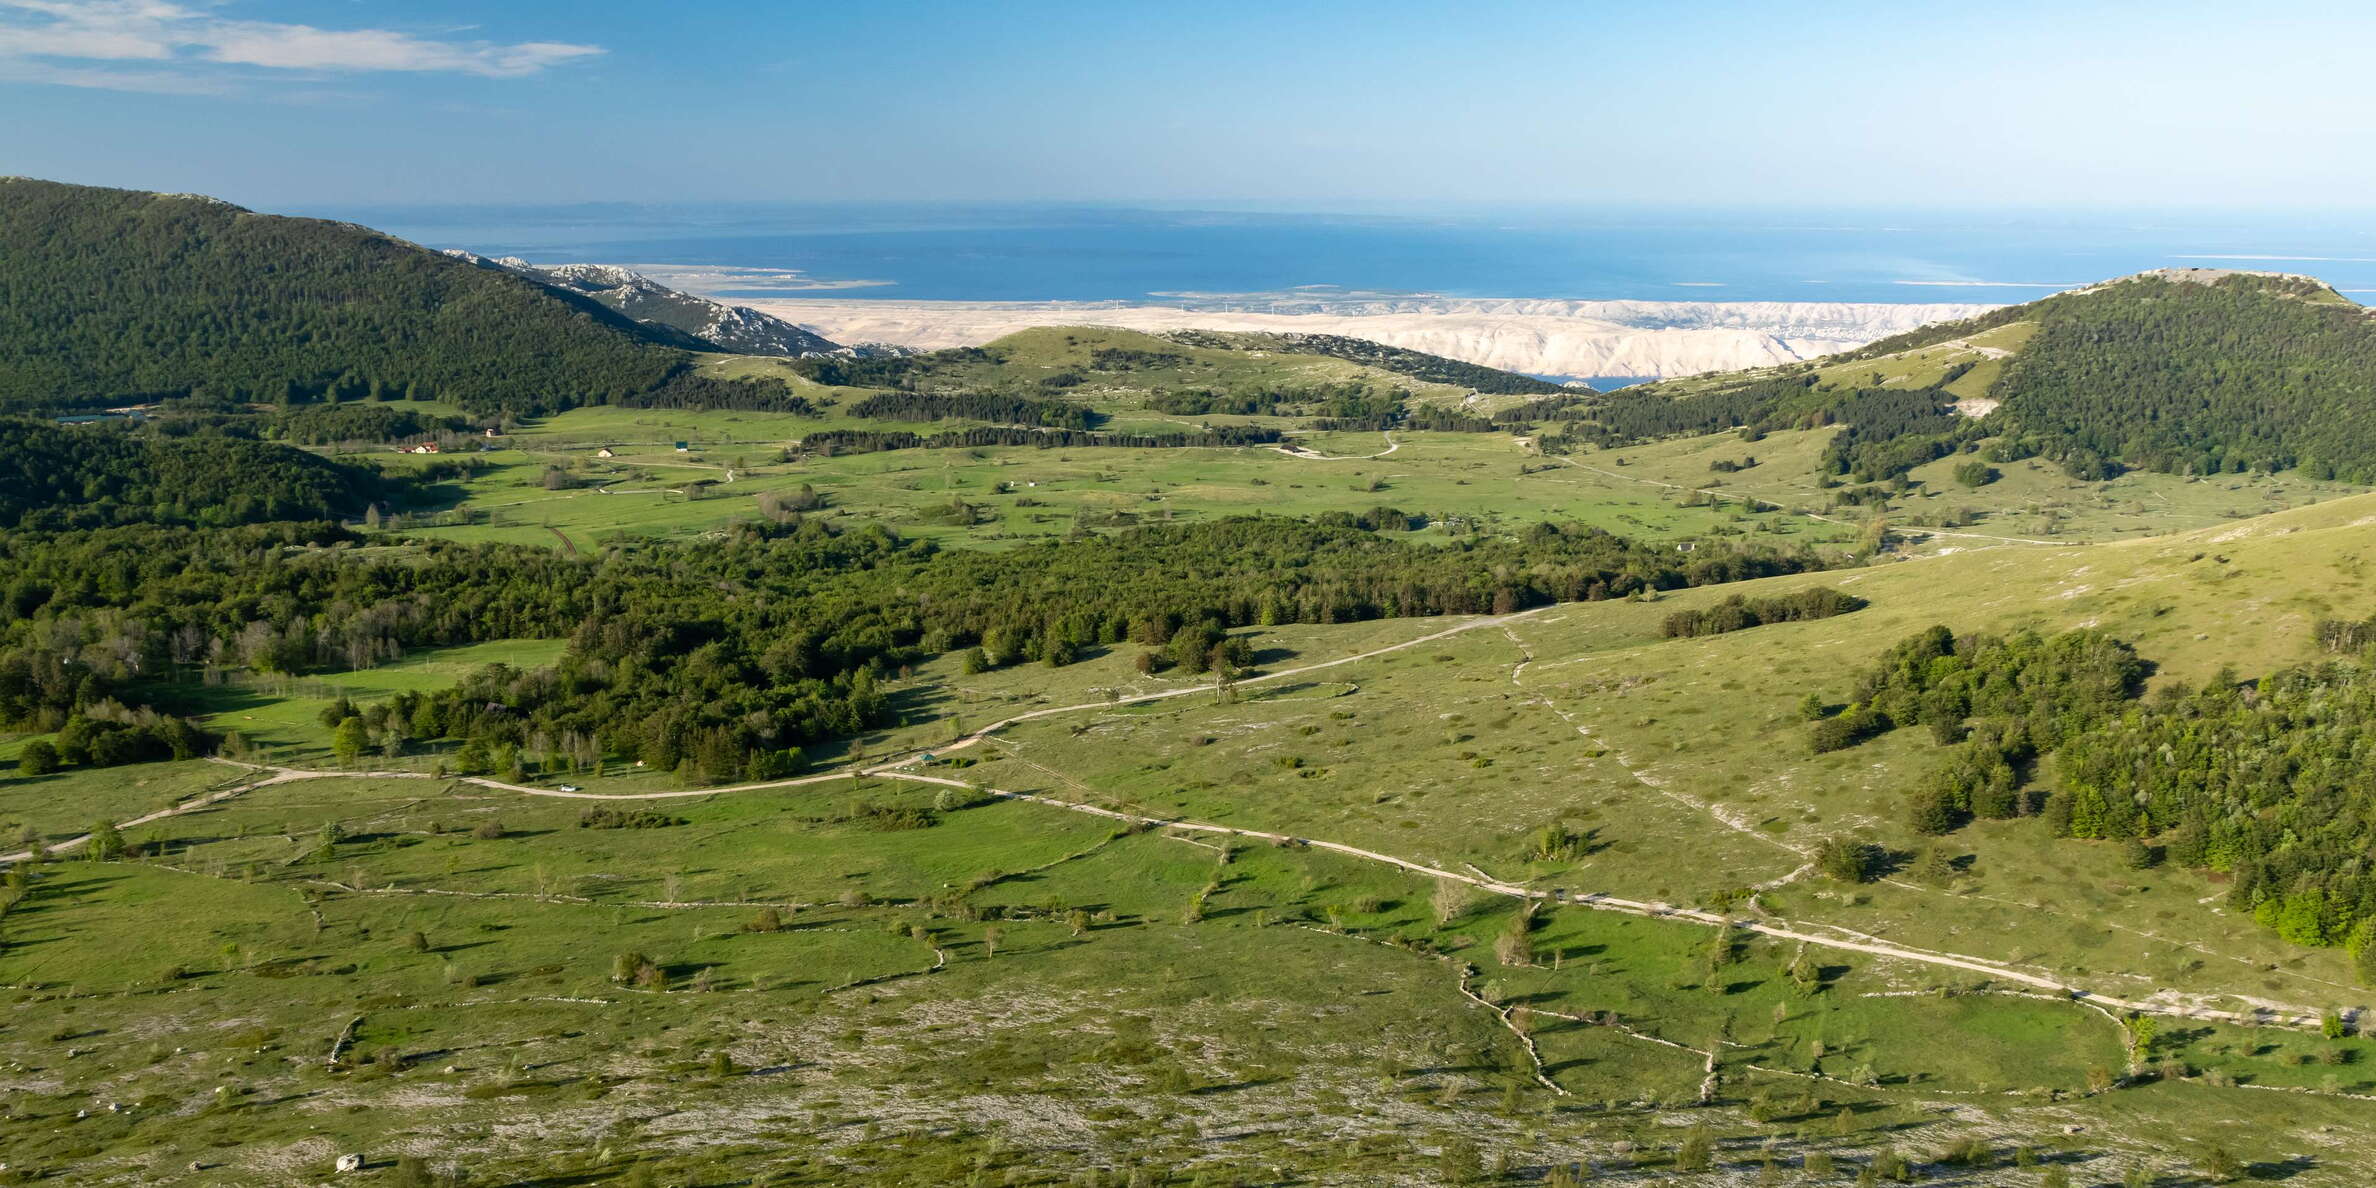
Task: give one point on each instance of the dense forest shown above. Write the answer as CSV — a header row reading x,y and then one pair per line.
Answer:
x,y
55,477
2262,781
700,393
328,424
1885,431
115,296
738,651
2249,373
2243,372
1010,410
2265,781
1348,399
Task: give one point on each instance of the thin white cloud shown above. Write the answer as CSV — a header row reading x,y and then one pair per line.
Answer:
x,y
157,82
56,41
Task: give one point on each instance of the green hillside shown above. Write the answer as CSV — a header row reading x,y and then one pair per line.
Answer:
x,y
2187,371
1104,759
1234,978
120,296
1193,374
55,477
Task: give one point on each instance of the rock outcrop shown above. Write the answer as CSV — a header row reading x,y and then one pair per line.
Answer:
x,y
737,329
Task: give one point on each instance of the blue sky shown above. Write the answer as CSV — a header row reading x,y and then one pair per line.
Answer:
x,y
1323,105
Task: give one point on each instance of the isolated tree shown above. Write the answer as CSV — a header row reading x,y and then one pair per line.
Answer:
x,y
1515,945
1845,859
1932,811
1889,1165
2136,855
1932,866
37,758
2220,1165
1698,1152
1805,973
106,845
349,740
1452,898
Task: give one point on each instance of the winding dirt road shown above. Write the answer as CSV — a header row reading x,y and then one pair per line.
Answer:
x,y
2164,1003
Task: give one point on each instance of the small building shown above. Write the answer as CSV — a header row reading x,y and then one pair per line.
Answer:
x,y
606,452
684,447
426,447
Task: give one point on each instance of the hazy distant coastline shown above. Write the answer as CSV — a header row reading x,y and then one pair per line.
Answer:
x,y
1538,337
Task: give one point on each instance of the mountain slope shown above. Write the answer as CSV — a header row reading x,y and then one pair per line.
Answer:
x,y
735,329
116,295
2190,371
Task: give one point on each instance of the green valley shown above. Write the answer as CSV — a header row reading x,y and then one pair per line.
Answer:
x,y
504,742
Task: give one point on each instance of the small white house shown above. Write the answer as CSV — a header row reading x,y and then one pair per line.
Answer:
x,y
606,452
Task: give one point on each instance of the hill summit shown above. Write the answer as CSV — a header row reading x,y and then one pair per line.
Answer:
x,y
2187,371
112,296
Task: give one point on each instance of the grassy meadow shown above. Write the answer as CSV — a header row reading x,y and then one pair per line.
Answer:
x,y
874,979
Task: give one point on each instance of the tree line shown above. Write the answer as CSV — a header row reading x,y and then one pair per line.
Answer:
x,y
2261,781
975,406
862,441
1416,364
1738,613
738,651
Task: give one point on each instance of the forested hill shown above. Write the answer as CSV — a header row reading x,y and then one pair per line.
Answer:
x,y
1416,364
113,296
2245,372
2197,371
53,477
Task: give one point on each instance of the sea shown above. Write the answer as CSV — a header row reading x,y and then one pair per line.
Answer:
x,y
1254,257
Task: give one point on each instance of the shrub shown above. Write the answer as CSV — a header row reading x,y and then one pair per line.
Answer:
x,y
38,758
1845,859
